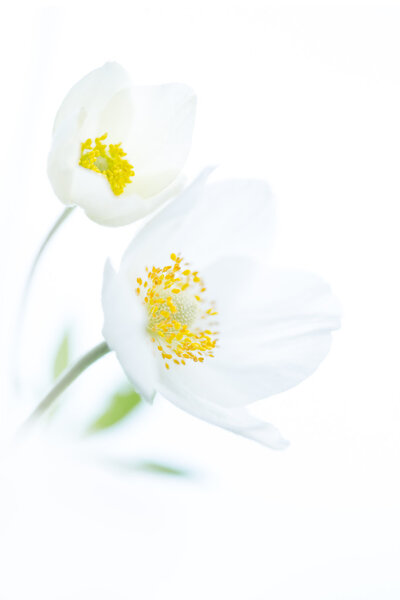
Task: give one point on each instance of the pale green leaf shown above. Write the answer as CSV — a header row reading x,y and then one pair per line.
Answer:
x,y
62,358
121,405
162,469
148,467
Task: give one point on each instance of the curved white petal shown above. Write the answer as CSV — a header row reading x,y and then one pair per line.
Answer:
x,y
153,244
64,157
236,420
116,118
208,222
92,193
275,329
154,124
125,332
93,92
161,135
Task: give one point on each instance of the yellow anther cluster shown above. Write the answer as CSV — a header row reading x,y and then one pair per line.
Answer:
x,y
178,314
109,163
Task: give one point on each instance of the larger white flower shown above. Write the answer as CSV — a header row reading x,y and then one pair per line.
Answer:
x,y
194,313
118,149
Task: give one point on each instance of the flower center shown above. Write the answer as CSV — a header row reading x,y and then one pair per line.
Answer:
x,y
109,162
180,320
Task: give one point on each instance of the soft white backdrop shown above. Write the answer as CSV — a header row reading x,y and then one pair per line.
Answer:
x,y
306,96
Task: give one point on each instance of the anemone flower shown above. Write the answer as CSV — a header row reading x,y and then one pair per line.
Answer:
x,y
195,314
118,149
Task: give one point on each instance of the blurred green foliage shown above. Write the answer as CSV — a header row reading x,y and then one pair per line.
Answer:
x,y
161,469
62,358
147,466
121,404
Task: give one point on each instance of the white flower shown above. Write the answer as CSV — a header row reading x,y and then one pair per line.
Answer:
x,y
118,149
195,315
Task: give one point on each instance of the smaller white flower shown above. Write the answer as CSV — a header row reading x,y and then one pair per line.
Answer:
x,y
194,313
118,149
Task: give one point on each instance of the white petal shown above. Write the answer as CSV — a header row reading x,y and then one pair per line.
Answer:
x,y
92,192
93,92
64,157
235,217
208,222
160,137
116,119
236,420
155,241
124,330
275,331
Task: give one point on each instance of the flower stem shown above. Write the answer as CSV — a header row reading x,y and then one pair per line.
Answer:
x,y
65,381
63,217
25,294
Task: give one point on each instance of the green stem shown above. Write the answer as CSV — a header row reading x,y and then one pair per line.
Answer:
x,y
25,294
65,381
63,217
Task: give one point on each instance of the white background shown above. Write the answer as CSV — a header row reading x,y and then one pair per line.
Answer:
x,y
306,96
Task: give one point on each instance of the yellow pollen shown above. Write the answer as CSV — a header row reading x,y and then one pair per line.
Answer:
x,y
109,162
176,313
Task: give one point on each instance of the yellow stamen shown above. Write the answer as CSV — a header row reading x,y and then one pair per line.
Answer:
x,y
173,299
109,163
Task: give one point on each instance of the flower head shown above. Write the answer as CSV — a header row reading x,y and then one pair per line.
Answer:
x,y
196,315
118,150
